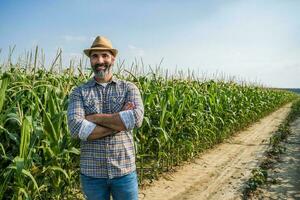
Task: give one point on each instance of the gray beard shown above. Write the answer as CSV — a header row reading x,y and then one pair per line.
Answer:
x,y
102,74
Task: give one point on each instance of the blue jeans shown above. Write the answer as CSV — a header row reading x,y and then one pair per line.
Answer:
x,y
121,188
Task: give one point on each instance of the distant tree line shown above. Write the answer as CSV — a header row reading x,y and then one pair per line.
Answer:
x,y
297,90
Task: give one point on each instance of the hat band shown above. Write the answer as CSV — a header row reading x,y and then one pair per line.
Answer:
x,y
100,45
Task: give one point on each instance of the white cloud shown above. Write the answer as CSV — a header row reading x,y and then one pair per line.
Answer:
x,y
136,51
254,41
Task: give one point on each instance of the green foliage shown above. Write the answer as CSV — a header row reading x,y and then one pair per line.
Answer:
x,y
183,118
258,177
39,160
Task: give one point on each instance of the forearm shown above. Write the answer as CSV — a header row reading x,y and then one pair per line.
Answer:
x,y
112,121
100,132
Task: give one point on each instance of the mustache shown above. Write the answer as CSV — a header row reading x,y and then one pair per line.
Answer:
x,y
106,65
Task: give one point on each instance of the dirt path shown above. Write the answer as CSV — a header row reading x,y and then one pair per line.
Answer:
x,y
220,172
286,172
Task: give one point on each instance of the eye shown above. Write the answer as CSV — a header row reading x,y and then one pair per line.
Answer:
x,y
94,55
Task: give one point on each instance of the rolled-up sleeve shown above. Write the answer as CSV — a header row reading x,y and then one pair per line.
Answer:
x,y
86,129
128,119
133,118
78,126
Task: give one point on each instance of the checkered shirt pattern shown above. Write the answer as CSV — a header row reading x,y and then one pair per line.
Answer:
x,y
113,155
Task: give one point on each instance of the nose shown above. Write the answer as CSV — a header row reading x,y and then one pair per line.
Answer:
x,y
100,59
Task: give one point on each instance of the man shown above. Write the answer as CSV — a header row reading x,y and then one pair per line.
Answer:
x,y
102,113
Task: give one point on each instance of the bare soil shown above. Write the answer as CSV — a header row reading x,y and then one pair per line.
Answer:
x,y
286,172
219,173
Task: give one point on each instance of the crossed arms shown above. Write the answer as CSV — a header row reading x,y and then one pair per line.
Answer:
x,y
107,124
97,126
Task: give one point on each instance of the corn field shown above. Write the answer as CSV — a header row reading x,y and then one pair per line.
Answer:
x,y
39,160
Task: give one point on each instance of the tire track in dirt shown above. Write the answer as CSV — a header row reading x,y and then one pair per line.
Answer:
x,y
219,173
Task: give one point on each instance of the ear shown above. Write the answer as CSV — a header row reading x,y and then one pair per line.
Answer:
x,y
112,59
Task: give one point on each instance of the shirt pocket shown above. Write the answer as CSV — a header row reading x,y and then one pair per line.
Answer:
x,y
117,103
92,106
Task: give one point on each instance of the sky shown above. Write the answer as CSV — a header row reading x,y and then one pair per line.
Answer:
x,y
252,40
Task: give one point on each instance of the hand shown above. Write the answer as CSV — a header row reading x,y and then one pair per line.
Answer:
x,y
90,118
129,106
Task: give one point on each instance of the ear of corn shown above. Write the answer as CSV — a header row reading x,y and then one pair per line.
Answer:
x,y
25,137
4,83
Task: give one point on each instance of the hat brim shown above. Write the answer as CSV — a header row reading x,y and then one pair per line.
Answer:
x,y
88,51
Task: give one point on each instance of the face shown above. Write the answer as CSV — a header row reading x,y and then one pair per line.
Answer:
x,y
102,62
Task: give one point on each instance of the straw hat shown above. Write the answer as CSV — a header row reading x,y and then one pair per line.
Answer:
x,y
101,43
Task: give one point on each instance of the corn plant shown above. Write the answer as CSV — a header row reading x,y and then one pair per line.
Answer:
x,y
183,117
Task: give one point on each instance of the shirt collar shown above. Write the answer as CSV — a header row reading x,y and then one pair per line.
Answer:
x,y
93,82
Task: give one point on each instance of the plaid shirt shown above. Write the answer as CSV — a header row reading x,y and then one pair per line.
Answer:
x,y
113,155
